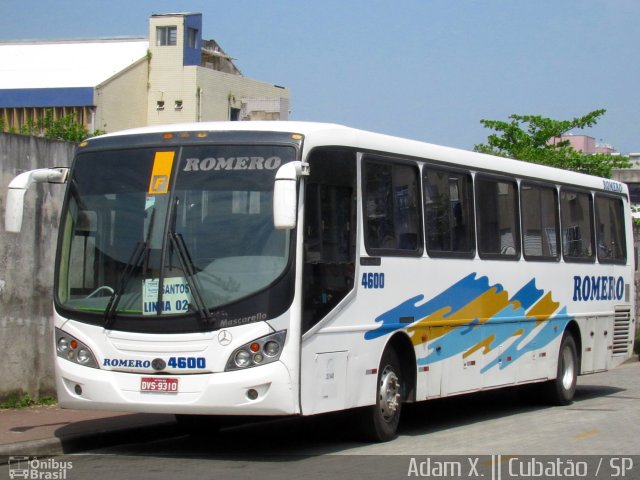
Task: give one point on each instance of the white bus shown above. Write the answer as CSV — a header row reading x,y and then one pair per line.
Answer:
x,y
286,268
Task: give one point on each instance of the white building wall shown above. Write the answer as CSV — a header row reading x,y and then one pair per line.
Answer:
x,y
221,91
167,79
121,101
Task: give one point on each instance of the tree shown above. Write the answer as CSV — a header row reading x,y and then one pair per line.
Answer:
x,y
537,139
65,128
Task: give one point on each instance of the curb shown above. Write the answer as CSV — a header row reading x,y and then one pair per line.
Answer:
x,y
82,442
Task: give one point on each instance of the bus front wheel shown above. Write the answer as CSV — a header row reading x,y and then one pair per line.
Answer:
x,y
379,422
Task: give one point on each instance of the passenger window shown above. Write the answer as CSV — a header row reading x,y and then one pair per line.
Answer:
x,y
576,213
540,222
610,232
392,213
448,207
497,219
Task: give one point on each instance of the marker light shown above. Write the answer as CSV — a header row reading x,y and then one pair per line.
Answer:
x,y
260,351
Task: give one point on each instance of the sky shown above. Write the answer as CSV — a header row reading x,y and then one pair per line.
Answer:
x,y
423,69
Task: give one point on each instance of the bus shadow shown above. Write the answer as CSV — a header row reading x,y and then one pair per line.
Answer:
x,y
294,439
458,411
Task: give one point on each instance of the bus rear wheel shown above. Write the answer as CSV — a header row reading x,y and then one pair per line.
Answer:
x,y
379,422
561,390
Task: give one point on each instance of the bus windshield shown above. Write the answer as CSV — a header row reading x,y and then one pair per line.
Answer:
x,y
151,232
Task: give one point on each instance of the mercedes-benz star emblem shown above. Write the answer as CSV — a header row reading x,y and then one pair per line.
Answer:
x,y
224,338
158,364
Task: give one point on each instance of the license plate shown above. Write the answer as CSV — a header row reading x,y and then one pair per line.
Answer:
x,y
159,385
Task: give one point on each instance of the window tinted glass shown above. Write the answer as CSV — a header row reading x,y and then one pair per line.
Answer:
x,y
610,230
576,211
448,207
497,214
392,208
540,225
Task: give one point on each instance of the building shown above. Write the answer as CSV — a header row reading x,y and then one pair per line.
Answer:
x,y
171,76
586,144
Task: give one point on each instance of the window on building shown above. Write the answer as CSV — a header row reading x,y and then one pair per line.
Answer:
x,y
192,38
448,210
610,230
576,213
166,35
540,222
392,208
497,218
634,192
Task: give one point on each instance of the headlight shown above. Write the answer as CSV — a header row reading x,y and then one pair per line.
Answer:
x,y
242,358
271,348
70,348
63,344
260,351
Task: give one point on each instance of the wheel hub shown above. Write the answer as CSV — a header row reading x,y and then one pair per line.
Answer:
x,y
389,393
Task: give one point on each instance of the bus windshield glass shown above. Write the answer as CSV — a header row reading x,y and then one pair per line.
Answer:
x,y
152,232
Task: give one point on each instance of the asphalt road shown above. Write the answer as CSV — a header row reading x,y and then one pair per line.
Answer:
x,y
492,435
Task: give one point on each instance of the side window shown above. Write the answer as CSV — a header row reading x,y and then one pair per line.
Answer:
x,y
540,222
610,233
166,36
448,210
576,213
497,218
392,208
329,233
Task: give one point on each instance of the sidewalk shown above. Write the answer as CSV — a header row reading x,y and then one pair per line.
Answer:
x,y
50,430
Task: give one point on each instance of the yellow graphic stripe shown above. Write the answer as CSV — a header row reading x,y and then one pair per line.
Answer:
x,y
161,173
543,309
482,309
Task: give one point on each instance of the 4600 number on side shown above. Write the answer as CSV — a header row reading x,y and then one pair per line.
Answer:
x,y
372,280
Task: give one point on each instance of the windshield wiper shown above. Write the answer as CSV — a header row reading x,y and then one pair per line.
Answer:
x,y
139,255
188,267
177,241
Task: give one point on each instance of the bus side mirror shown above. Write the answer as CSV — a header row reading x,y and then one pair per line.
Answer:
x,y
19,186
285,194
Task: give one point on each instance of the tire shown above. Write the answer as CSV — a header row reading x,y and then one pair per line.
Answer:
x,y
379,422
561,390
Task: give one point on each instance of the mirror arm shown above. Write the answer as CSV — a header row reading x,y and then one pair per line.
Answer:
x,y
19,186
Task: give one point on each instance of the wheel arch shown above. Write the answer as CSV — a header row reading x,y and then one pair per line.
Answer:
x,y
406,353
573,329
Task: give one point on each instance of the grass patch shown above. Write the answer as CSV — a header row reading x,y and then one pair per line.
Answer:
x,y
25,401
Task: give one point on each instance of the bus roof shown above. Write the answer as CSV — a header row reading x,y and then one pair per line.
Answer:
x,y
329,134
